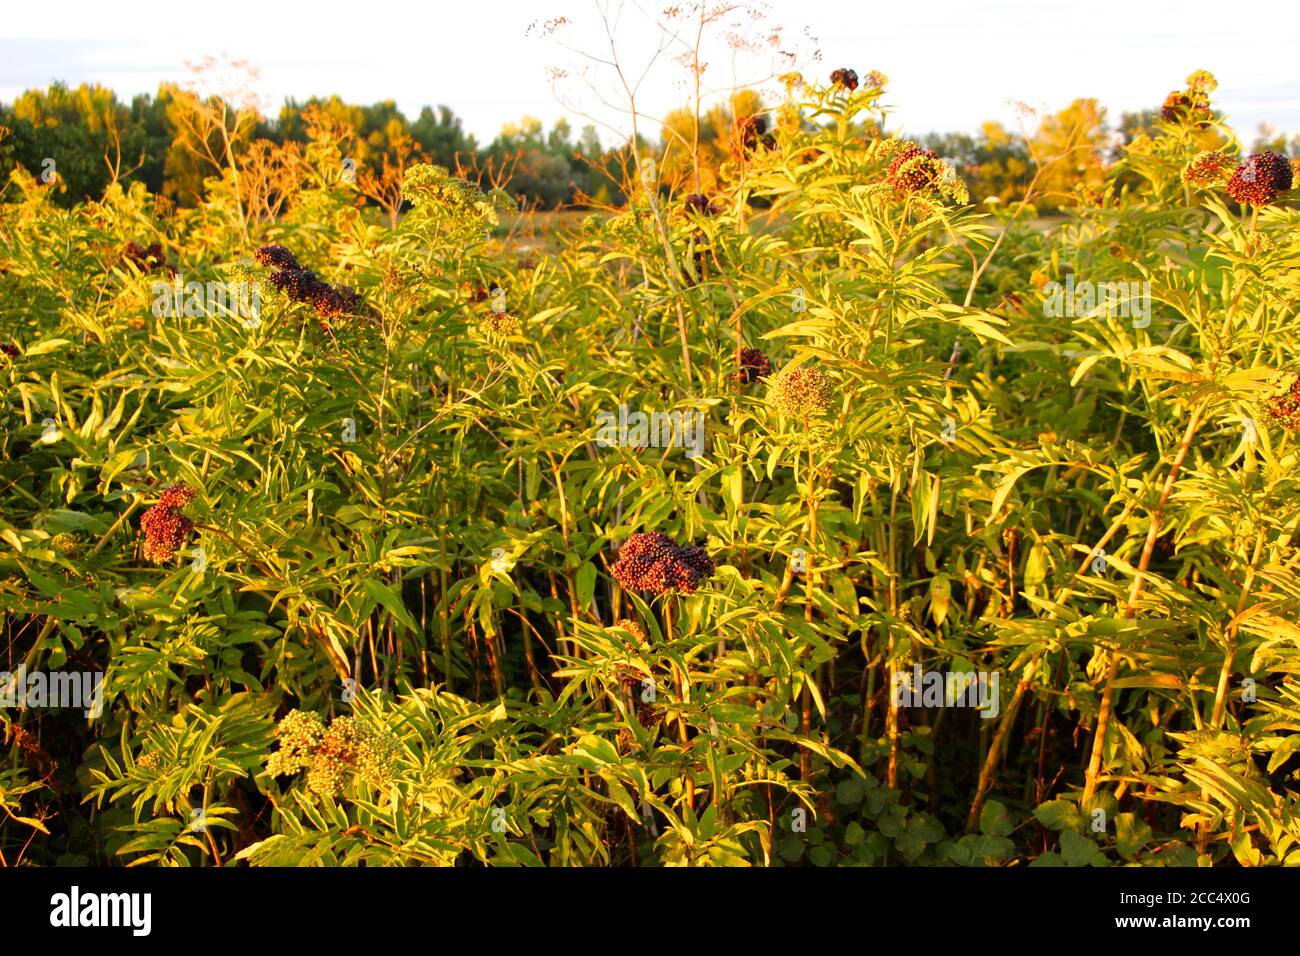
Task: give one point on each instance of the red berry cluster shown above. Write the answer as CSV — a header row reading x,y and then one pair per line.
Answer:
x,y
9,349
914,170
651,561
846,78
1259,178
164,527
303,285
753,365
148,259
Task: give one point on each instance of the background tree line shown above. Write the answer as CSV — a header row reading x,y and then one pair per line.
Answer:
x,y
161,140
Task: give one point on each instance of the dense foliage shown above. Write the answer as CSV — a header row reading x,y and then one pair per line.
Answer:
x,y
376,575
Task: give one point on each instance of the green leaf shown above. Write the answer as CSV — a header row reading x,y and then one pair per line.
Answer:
x,y
1059,815
392,603
995,821
1131,835
1078,850
586,584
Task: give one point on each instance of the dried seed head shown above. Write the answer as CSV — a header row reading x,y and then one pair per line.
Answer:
x,y
176,496
914,169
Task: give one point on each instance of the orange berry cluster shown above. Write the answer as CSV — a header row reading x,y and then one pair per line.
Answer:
x,y
1207,169
1284,410
803,392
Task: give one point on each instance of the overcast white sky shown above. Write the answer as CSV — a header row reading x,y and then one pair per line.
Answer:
x,y
952,63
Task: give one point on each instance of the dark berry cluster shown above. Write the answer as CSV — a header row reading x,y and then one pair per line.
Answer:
x,y
700,205
164,528
1191,106
1259,178
651,561
845,78
1284,410
9,349
277,257
148,258
303,285
748,133
752,366
476,291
